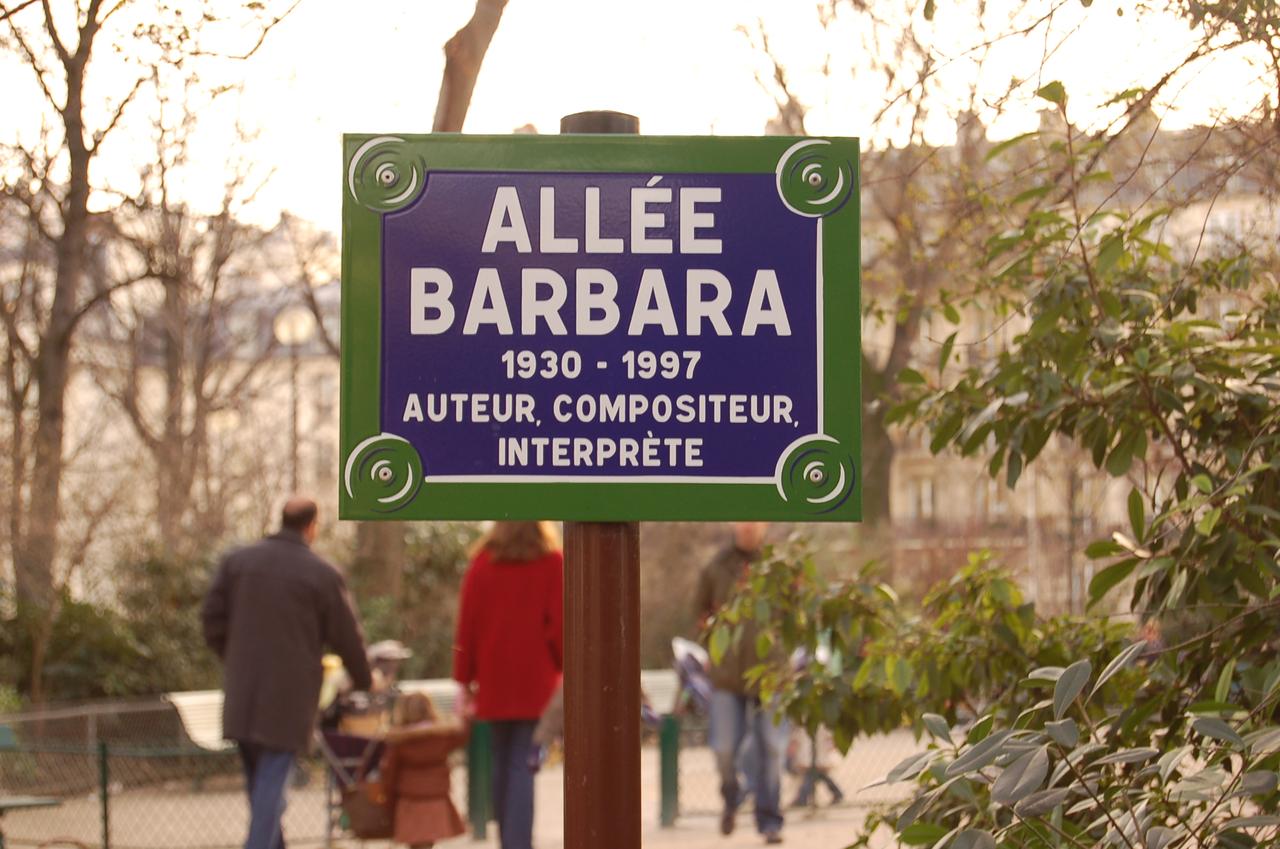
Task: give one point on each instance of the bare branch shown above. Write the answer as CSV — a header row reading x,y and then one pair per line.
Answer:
x,y
257,45
101,134
53,33
6,13
37,67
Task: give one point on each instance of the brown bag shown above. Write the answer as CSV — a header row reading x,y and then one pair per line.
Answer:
x,y
369,817
364,801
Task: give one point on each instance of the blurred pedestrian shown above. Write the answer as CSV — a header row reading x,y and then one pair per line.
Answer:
x,y
273,608
810,758
736,713
415,772
508,656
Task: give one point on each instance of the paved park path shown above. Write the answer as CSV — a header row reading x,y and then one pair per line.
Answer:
x,y
180,816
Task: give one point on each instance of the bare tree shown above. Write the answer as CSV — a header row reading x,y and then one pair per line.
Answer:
x,y
920,203
63,48
186,346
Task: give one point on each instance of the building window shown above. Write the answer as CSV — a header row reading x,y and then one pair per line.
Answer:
x,y
326,396
992,499
920,499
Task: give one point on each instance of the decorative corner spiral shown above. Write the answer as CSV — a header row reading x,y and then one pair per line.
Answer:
x,y
816,472
383,473
385,175
812,181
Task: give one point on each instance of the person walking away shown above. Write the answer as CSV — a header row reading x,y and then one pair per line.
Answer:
x,y
812,758
415,772
736,713
508,656
272,610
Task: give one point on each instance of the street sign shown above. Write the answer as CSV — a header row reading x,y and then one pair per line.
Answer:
x,y
600,328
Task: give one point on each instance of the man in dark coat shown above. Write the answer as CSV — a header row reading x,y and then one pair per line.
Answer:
x,y
273,609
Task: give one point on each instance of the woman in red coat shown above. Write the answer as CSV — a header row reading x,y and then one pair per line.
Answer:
x,y
415,773
508,656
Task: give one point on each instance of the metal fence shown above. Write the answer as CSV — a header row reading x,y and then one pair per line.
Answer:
x,y
129,776
687,761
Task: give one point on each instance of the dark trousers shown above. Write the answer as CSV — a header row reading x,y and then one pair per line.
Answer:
x,y
266,775
513,782
809,788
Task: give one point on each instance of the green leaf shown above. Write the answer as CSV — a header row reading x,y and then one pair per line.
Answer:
x,y
910,377
1223,690
1022,777
1159,836
1109,253
1137,515
951,313
1104,581
980,729
910,767
1117,663
973,838
1001,147
980,755
764,644
913,812
1249,822
930,6
1202,483
1257,783
1064,732
1014,469
1208,522
937,727
1128,756
1215,728
1041,802
1265,742
945,356
1120,458
1054,92
1170,761
719,643
1073,680
1046,673
922,834
1103,548
1033,193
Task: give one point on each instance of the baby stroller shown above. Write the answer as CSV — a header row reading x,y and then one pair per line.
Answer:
x,y
353,798
691,662
349,741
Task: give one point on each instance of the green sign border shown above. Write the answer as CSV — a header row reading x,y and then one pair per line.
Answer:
x,y
817,178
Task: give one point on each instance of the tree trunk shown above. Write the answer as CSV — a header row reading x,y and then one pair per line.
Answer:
x,y
379,561
33,566
463,56
877,449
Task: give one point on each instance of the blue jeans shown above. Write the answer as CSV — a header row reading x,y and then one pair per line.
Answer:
x,y
733,718
513,782
266,774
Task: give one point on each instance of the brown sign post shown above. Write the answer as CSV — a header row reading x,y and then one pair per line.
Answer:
x,y
601,652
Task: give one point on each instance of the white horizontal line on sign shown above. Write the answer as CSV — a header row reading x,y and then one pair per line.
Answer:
x,y
588,479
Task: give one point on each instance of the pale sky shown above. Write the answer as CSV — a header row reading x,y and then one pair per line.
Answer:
x,y
680,65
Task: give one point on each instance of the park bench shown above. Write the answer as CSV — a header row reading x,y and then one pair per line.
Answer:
x,y
201,710
22,803
201,715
